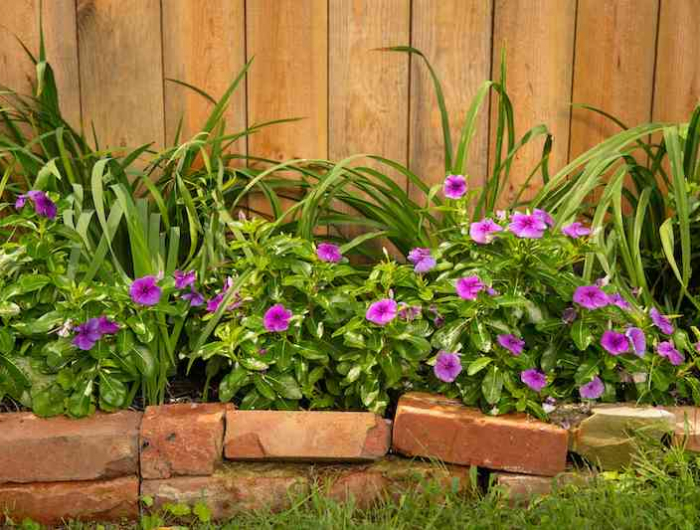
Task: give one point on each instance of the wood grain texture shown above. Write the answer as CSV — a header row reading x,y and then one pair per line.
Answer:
x,y
539,41
121,71
677,80
288,79
20,18
456,39
614,67
203,45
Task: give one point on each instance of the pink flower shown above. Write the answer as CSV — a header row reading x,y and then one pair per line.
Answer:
x,y
668,350
447,367
43,206
614,343
569,315
455,186
277,318
145,291
511,343
329,253
184,279
87,334
107,326
592,390
382,312
484,231
638,341
619,301
543,216
196,299
469,287
527,226
590,297
575,230
409,312
422,259
533,378
661,322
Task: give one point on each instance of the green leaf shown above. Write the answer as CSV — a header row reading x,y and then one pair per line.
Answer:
x,y
112,392
80,402
480,336
586,371
286,386
254,364
48,401
492,385
9,309
477,365
581,335
7,341
391,366
232,383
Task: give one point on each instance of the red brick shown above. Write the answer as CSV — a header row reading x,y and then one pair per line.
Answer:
x,y
436,427
368,485
523,488
34,449
51,502
233,488
687,428
305,436
182,439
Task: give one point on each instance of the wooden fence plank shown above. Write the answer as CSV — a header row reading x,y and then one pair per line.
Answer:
x,y
121,70
21,18
369,99
677,89
614,67
456,39
539,40
203,45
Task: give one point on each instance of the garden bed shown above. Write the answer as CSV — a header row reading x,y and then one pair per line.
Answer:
x,y
102,467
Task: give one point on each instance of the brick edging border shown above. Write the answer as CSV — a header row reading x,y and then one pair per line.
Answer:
x,y
96,468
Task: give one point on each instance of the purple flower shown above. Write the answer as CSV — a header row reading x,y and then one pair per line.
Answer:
x,y
638,341
214,303
469,287
277,318
107,326
196,299
87,334
668,350
575,230
438,320
42,204
409,312
569,315
145,291
618,300
527,226
590,297
492,292
543,216
483,231
329,253
422,259
447,366
660,321
614,343
382,312
592,390
533,378
511,343
697,347
455,186
184,279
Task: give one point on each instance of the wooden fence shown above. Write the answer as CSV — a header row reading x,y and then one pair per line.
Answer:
x,y
637,59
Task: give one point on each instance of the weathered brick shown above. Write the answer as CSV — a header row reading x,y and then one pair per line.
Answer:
x,y
34,449
51,502
233,488
687,429
436,427
606,438
523,488
182,439
391,477
305,436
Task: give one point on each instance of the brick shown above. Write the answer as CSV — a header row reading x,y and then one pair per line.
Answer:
x,y
433,426
524,488
606,438
51,502
687,418
305,436
36,449
182,439
368,485
234,488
